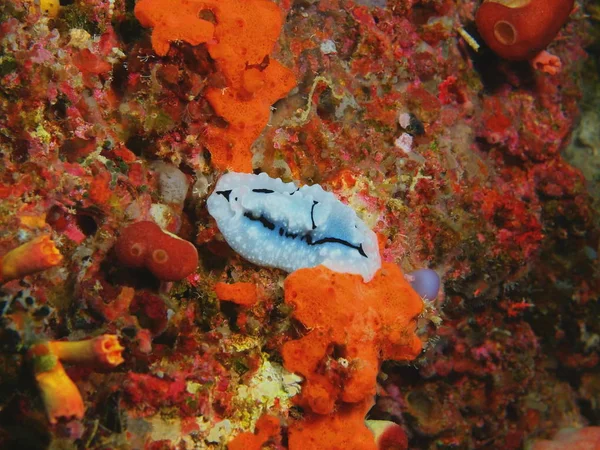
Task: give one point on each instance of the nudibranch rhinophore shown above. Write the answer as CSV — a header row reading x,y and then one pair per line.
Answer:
x,y
277,224
520,29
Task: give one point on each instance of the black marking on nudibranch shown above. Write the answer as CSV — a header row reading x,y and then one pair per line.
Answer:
x,y
305,237
225,194
265,222
312,211
358,248
263,191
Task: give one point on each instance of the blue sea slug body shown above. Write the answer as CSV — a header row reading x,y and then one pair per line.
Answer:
x,y
277,224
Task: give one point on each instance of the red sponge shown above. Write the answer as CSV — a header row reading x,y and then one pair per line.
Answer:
x,y
145,244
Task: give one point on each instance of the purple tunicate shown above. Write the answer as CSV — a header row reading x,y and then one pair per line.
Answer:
x,y
426,282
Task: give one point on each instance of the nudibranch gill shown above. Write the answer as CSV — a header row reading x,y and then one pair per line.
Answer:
x,y
520,29
277,224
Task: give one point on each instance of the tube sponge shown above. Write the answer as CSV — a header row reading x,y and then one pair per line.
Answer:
x,y
104,349
61,397
33,256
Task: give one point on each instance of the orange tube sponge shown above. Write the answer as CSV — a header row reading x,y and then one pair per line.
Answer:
x,y
60,395
353,327
34,256
520,29
104,349
239,293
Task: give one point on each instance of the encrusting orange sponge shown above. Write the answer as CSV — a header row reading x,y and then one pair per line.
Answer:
x,y
240,42
173,21
353,327
60,395
344,429
33,256
520,29
239,293
267,428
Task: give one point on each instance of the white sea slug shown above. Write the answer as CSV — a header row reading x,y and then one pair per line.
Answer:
x,y
277,224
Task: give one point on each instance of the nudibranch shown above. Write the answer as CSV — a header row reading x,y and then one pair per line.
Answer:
x,y
277,224
521,29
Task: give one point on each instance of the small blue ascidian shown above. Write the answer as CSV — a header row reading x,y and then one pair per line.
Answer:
x,y
426,282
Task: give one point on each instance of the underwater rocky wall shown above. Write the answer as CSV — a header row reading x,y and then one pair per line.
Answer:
x,y
127,320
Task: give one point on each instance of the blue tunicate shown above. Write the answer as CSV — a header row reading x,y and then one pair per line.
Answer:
x,y
426,282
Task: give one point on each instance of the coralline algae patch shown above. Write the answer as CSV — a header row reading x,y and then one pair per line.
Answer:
x,y
117,114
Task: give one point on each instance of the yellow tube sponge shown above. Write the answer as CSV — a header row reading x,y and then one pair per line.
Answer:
x,y
60,395
104,349
33,256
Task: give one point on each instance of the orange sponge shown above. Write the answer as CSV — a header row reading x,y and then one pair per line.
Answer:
x,y
240,293
172,21
345,429
240,41
245,35
267,428
353,327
